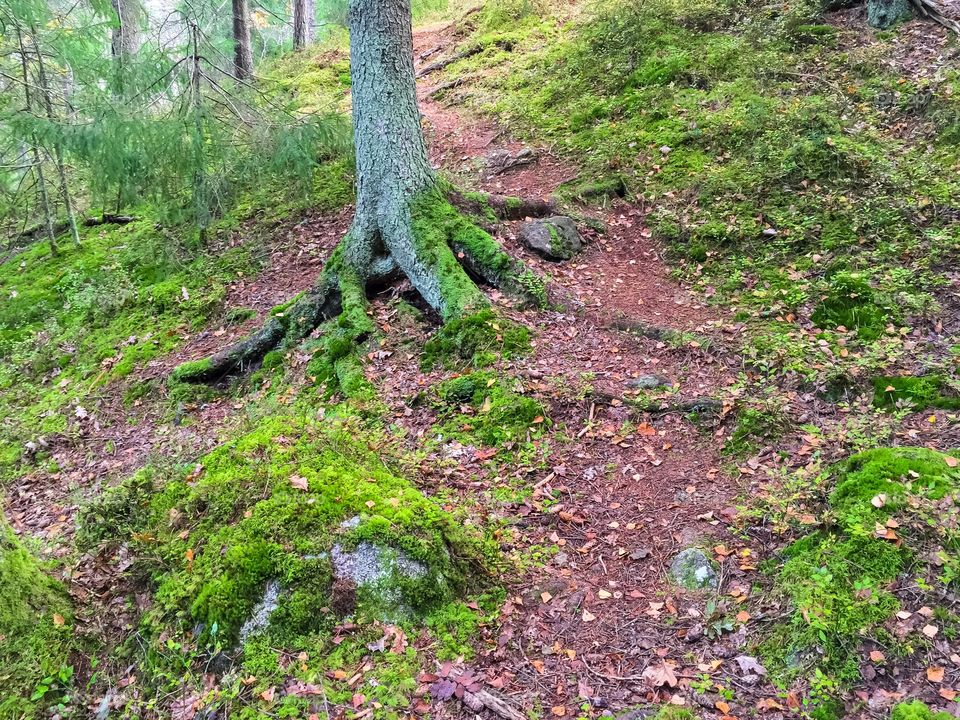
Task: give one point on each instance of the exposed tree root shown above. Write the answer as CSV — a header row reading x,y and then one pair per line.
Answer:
x,y
451,253
501,207
933,10
663,406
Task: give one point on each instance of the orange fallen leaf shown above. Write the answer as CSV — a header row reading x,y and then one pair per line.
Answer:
x,y
742,617
58,620
877,656
267,695
558,710
935,674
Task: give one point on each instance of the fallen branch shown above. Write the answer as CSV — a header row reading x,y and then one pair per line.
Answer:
x,y
34,231
482,699
449,60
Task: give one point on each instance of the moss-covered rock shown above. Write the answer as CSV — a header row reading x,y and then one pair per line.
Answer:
x,y
692,569
35,633
292,502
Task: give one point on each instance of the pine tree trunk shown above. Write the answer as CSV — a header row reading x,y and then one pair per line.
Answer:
x,y
404,223
242,48
393,171
37,159
57,149
125,41
301,24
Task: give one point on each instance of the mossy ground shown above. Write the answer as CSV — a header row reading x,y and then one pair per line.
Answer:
x,y
480,408
210,537
763,182
36,633
885,520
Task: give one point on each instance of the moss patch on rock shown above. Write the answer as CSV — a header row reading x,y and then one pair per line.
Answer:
x,y
274,539
887,515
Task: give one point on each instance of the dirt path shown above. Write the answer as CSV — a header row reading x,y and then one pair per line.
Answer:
x,y
593,619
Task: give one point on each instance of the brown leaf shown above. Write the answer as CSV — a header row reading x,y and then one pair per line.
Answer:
x,y
935,674
950,461
930,630
267,695
299,483
877,656
660,676
559,710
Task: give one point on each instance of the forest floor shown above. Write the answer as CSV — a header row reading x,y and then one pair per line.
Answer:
x,y
599,499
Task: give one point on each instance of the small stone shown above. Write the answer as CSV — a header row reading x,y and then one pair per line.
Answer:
x,y
555,238
649,382
691,569
694,633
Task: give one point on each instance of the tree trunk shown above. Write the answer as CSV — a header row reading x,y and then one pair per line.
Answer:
x,y
37,159
57,149
301,24
242,49
404,223
125,41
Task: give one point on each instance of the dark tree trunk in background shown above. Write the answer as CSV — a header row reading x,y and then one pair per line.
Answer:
x,y
242,48
404,224
302,23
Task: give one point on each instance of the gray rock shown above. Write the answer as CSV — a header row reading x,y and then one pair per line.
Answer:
x,y
368,564
373,570
691,569
260,618
555,238
649,382
883,14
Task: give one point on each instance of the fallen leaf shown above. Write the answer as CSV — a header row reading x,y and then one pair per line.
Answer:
x,y
930,630
750,665
267,695
660,675
935,674
299,483
58,620
877,656
559,710
588,616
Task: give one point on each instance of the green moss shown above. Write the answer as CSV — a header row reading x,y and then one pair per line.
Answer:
x,y
475,340
916,710
272,359
444,236
837,578
496,415
754,426
248,523
919,392
36,633
190,369
852,303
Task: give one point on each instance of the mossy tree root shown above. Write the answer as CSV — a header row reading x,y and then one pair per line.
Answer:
x,y
441,251
501,207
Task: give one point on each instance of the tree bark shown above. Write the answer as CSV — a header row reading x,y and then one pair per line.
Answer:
x,y
57,149
242,48
125,41
404,223
301,24
37,159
